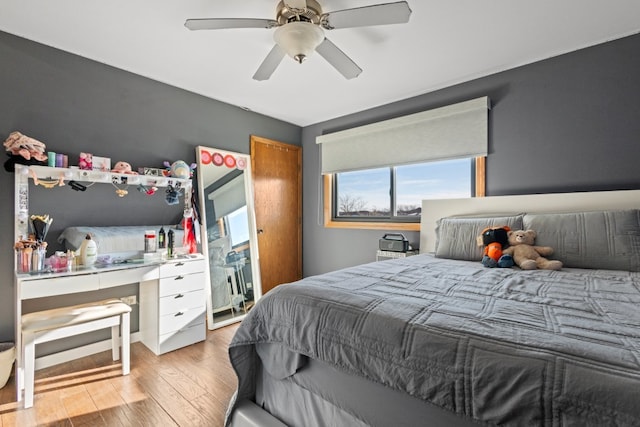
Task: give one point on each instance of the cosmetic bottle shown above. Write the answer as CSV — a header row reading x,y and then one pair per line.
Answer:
x,y
161,239
88,251
170,244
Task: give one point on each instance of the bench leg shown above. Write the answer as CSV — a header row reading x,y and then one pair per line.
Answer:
x,y
29,368
115,342
126,342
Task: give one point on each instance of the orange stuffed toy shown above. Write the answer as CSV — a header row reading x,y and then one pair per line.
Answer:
x,y
494,239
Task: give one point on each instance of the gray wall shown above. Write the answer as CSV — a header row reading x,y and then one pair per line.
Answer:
x,y
73,104
570,123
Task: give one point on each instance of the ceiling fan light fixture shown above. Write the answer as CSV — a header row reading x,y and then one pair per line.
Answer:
x,y
299,39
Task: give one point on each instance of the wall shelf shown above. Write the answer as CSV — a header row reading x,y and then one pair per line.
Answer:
x,y
82,175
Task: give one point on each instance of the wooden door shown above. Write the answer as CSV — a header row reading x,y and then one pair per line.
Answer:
x,y
277,190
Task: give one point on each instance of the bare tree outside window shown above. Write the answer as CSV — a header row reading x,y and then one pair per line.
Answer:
x,y
349,204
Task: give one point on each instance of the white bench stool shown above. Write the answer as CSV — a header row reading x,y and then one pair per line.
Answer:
x,y
49,325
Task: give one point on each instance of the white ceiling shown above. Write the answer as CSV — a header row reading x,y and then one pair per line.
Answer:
x,y
445,42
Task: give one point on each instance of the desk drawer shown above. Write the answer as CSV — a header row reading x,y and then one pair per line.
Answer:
x,y
181,319
59,285
181,301
181,283
185,267
188,336
110,279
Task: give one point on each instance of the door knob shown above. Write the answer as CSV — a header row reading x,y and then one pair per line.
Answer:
x,y
260,231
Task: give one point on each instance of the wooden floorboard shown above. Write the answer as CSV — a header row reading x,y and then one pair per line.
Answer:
x,y
191,386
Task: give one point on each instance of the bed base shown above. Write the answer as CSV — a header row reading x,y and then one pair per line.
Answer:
x,y
248,414
320,395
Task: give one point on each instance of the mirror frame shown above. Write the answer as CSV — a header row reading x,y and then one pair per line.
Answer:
x,y
253,235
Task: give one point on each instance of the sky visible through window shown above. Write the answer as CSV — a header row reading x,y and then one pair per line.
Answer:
x,y
434,180
238,228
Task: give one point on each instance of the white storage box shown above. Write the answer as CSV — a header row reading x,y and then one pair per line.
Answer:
x,y
384,255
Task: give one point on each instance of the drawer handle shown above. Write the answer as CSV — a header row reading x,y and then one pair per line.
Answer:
x,y
179,278
178,296
179,264
180,313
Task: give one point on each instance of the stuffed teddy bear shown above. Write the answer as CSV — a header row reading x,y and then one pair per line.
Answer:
x,y
494,239
526,255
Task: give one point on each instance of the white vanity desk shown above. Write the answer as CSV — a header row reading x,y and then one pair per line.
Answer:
x,y
172,301
172,297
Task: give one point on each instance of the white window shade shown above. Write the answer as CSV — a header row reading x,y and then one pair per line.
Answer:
x,y
451,132
228,198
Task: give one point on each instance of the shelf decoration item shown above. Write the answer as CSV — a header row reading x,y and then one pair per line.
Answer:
x,y
148,190
180,169
121,192
24,150
101,164
85,162
123,167
173,195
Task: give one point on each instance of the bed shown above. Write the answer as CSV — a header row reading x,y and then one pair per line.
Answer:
x,y
438,339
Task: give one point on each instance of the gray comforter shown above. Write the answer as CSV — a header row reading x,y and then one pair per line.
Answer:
x,y
501,346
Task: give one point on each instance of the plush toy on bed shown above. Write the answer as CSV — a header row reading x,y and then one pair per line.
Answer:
x,y
494,239
526,255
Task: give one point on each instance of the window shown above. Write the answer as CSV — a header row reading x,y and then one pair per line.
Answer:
x,y
391,198
385,200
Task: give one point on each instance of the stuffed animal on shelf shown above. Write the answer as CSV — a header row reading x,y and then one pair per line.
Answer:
x,y
494,239
23,150
526,255
180,169
123,167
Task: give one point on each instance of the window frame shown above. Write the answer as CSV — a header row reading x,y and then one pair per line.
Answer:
x,y
329,222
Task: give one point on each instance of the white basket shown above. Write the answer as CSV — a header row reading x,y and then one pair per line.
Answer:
x,y
7,356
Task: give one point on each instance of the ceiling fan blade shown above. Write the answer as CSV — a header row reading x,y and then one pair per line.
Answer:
x,y
296,4
226,23
269,64
338,59
379,14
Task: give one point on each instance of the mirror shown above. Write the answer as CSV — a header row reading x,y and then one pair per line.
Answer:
x,y
228,230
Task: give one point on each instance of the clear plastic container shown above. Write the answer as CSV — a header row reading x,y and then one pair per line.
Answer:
x,y
149,241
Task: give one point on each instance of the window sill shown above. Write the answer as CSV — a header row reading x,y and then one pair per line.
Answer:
x,y
402,226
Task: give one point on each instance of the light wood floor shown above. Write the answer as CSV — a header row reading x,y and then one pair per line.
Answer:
x,y
187,387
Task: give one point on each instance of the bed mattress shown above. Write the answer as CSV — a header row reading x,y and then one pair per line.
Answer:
x,y
495,346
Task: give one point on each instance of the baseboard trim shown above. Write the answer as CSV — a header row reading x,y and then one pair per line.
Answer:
x,y
78,352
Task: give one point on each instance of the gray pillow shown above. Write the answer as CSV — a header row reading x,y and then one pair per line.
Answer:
x,y
600,239
457,236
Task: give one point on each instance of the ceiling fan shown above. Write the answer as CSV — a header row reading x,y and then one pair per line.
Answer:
x,y
299,31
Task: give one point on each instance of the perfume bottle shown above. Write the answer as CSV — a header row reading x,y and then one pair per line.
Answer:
x,y
161,239
170,244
